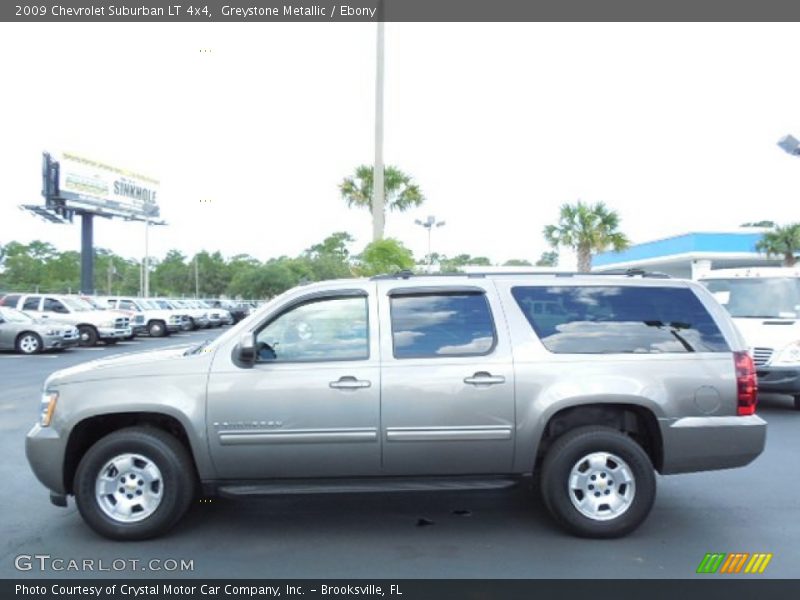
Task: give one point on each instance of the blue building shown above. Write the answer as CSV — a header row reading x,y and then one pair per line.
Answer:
x,y
690,254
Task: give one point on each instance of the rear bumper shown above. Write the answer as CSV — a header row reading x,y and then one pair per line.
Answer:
x,y
779,380
708,443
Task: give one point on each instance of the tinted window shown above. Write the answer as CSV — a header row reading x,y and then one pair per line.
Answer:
x,y
328,329
433,325
31,303
53,305
10,300
587,320
127,305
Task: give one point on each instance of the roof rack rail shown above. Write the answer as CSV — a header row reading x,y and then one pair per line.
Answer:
x,y
407,274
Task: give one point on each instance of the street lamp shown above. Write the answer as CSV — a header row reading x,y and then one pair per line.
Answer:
x,y
790,145
429,224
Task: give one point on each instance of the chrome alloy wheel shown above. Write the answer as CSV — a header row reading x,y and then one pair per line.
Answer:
x,y
601,486
29,344
129,488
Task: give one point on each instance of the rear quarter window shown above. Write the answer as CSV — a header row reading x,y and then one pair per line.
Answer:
x,y
619,319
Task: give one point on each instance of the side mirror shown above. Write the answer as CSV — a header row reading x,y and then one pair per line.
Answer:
x,y
245,351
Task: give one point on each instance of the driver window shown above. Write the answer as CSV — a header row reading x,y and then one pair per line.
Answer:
x,y
319,330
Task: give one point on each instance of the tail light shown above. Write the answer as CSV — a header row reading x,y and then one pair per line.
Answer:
x,y
746,384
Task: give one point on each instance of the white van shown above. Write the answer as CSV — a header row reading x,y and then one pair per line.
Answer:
x,y
765,305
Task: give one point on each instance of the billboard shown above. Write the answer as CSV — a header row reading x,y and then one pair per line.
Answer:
x,y
90,186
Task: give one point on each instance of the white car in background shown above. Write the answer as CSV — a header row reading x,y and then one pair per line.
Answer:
x,y
93,325
765,305
151,318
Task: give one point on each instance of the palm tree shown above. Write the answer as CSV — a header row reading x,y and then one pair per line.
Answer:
x,y
586,228
781,241
401,193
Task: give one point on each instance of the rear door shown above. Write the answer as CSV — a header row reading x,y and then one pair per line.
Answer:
x,y
447,394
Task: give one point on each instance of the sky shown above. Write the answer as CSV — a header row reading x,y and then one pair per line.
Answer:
x,y
672,125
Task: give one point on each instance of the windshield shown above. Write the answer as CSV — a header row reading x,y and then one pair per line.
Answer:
x,y
762,297
148,304
163,304
77,304
12,315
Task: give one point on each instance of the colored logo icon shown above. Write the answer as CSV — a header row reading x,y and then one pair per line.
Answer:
x,y
735,562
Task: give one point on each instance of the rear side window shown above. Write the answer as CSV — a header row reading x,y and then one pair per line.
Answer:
x,y
438,325
619,319
31,303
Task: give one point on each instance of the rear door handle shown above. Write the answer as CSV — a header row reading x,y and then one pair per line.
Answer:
x,y
348,382
484,378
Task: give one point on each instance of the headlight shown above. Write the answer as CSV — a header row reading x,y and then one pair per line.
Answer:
x,y
789,355
52,332
48,407
107,324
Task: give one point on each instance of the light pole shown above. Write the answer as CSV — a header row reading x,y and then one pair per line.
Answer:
x,y
146,266
429,224
377,176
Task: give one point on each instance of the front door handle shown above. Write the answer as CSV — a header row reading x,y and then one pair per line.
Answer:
x,y
348,382
484,378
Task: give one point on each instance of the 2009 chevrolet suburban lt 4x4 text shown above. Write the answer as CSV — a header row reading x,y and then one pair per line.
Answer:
x,y
403,383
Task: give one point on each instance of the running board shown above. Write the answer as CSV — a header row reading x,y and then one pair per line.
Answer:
x,y
352,486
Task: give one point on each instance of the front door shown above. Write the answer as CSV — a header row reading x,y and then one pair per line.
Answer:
x,y
310,405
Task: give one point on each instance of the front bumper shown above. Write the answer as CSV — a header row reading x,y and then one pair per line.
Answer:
x,y
45,451
106,333
779,380
708,443
57,342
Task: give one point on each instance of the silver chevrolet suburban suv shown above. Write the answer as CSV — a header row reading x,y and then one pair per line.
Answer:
x,y
588,384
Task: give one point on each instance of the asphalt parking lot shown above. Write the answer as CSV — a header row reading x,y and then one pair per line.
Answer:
x,y
496,534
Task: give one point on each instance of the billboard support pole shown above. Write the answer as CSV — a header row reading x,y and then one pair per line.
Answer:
x,y
87,253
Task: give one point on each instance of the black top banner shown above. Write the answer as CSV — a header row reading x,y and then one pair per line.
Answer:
x,y
253,11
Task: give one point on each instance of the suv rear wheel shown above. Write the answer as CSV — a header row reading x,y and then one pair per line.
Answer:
x,y
135,483
597,482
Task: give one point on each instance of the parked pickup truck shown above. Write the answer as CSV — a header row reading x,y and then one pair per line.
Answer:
x,y
404,383
93,325
155,321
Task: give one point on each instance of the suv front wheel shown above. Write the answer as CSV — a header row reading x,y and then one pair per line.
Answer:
x,y
135,483
597,482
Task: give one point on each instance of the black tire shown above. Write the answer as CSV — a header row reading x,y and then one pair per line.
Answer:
x,y
177,473
565,454
797,402
157,328
29,342
194,325
87,335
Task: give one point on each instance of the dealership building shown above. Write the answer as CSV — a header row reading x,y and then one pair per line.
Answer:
x,y
690,254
